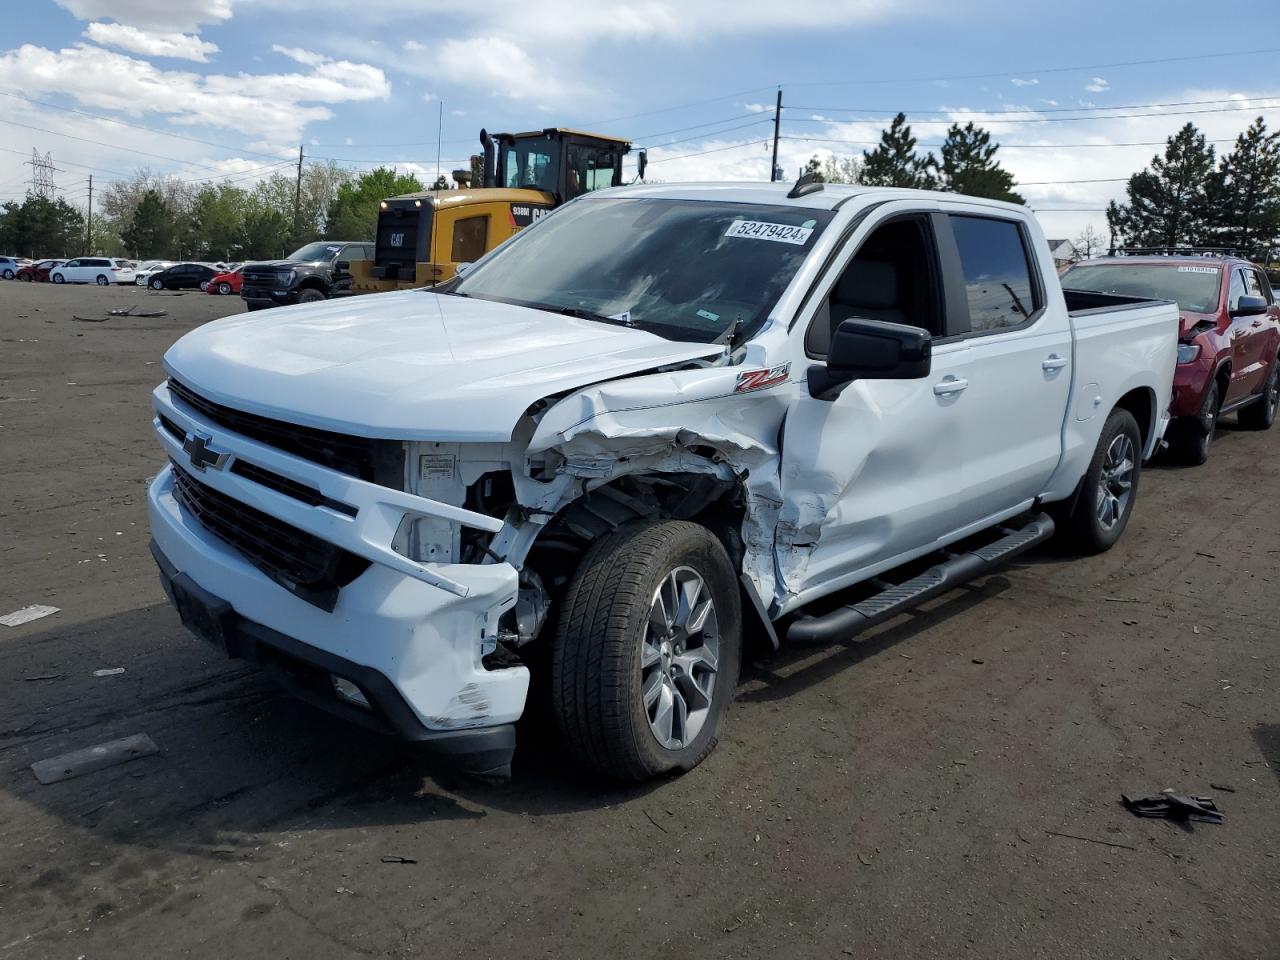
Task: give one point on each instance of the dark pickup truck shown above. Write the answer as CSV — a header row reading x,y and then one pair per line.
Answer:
x,y
317,271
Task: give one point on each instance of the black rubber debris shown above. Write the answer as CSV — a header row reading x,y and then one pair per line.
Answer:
x,y
1174,806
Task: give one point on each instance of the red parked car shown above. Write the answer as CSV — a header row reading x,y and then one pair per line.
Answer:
x,y
226,283
39,272
1228,343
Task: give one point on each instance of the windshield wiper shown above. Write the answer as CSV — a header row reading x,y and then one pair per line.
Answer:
x,y
578,312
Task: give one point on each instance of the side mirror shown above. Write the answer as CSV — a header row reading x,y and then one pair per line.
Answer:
x,y
871,350
1249,306
342,265
463,268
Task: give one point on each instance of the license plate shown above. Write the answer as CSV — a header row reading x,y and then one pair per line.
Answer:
x,y
198,617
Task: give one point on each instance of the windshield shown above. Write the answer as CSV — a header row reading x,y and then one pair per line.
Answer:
x,y
1195,288
316,251
683,269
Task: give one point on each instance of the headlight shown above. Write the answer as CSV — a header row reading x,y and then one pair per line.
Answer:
x,y
1188,352
286,277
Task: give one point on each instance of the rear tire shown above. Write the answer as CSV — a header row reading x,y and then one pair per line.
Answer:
x,y
58,278
310,295
224,288
102,280
157,284
1110,486
1260,414
8,274
24,277
638,691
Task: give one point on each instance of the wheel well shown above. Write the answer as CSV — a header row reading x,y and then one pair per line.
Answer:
x,y
1141,403
1223,378
313,283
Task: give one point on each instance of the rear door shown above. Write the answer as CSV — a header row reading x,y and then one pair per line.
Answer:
x,y
1019,377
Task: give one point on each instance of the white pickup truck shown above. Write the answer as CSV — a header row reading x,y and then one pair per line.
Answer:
x,y
663,418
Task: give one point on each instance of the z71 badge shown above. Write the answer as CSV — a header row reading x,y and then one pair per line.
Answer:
x,y
761,379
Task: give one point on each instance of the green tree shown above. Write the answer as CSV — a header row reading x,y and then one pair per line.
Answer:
x,y
842,169
813,168
441,182
1168,204
153,229
42,227
265,234
353,212
217,226
895,163
1245,193
968,165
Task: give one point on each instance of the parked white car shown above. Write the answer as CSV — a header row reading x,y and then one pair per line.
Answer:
x,y
103,271
9,266
149,268
661,413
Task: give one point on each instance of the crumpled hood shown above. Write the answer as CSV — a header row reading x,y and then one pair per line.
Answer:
x,y
410,365
1188,320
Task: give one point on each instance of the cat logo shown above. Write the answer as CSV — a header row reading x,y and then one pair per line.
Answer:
x,y
396,240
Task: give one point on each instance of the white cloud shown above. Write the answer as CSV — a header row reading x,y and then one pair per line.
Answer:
x,y
182,16
305,57
759,107
496,65
274,106
1019,82
1098,85
179,46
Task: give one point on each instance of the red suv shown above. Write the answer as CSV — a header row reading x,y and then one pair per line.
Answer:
x,y
1228,343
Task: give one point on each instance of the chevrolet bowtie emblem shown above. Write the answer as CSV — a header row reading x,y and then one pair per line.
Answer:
x,y
196,446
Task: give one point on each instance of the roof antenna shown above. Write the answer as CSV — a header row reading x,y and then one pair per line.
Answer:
x,y
807,184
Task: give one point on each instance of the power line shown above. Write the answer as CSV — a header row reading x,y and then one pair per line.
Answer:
x,y
976,113
988,118
1033,70
1007,146
734,146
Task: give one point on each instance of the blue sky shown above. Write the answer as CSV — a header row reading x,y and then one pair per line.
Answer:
x,y
364,82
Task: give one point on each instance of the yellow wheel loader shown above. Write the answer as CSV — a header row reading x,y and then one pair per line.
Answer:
x,y
423,237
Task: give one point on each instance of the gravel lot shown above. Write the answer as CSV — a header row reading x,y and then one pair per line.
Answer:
x,y
948,788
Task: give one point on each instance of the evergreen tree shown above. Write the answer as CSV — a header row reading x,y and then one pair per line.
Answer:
x,y
895,163
968,165
217,227
41,227
1169,202
1245,193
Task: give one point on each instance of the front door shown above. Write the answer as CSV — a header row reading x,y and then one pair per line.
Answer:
x,y
1250,336
872,473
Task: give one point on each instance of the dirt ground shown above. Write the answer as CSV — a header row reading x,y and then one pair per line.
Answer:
x,y
949,788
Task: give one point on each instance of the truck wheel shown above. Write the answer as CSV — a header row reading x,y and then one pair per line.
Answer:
x,y
1193,436
645,659
309,295
1260,415
1110,486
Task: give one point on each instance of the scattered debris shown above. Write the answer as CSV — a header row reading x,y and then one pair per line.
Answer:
x,y
1201,553
27,614
655,822
866,858
90,759
1130,623
1122,600
1222,786
1174,806
109,672
75,316
135,312
43,676
978,660
394,859
1104,843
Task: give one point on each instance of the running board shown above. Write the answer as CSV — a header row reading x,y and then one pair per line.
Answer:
x,y
846,623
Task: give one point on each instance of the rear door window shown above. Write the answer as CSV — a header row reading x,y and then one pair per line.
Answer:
x,y
998,280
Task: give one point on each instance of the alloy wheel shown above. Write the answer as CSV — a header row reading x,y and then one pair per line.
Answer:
x,y
1115,486
679,657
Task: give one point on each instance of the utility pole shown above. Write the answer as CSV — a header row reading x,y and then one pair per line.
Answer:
x,y
297,201
777,123
88,229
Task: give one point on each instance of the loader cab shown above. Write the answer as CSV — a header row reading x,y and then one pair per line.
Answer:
x,y
559,162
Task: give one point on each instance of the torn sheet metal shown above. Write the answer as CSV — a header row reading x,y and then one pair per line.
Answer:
x,y
682,421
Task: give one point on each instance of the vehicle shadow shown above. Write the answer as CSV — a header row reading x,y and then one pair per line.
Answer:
x,y
238,757
774,679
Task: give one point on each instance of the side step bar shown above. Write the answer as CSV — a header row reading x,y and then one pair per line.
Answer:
x,y
846,623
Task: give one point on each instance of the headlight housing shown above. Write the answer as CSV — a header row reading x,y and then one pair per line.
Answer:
x,y
1188,352
285,277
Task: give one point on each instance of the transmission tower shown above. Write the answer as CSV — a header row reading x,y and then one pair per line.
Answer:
x,y
42,170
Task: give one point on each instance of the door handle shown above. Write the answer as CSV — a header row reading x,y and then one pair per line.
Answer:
x,y
1054,362
950,387
1256,323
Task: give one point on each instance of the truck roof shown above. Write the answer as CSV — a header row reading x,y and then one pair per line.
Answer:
x,y
1186,259
829,197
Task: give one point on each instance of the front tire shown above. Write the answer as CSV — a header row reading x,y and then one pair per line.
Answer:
x,y
157,284
59,278
1110,486
1193,436
1262,413
646,656
310,295
24,277
224,288
8,274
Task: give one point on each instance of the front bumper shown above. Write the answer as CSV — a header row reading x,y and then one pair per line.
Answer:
x,y
1190,383
274,296
411,635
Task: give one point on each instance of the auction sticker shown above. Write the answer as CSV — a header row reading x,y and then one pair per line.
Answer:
x,y
1197,269
762,230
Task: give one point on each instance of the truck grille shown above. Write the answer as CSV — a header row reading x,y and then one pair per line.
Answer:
x,y
377,461
308,567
